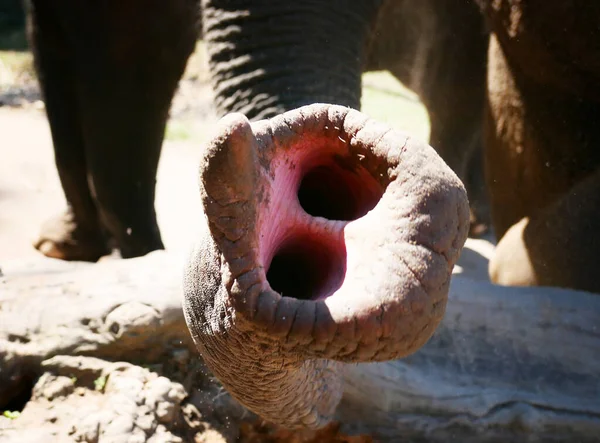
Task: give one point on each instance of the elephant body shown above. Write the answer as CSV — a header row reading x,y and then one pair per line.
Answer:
x,y
541,139
108,72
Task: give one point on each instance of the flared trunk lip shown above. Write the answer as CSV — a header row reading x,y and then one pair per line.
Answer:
x,y
311,321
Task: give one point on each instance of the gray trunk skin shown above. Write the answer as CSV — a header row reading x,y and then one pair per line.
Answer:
x,y
267,58
270,57
283,357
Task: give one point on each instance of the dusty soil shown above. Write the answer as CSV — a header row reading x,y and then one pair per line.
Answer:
x,y
30,190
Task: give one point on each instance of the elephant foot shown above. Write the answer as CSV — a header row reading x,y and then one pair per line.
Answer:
x,y
329,239
131,245
62,237
511,264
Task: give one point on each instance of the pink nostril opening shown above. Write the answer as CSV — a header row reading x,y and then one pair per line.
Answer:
x,y
339,191
308,267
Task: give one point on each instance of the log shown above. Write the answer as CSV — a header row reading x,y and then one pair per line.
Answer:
x,y
118,310
506,364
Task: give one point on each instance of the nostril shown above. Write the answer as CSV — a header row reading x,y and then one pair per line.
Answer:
x,y
308,267
338,191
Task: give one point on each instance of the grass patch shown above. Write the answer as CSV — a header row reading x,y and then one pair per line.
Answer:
x,y
100,383
179,130
387,100
197,65
16,68
11,415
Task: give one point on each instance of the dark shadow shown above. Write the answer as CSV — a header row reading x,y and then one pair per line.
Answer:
x,y
12,26
339,190
16,396
473,264
562,241
308,267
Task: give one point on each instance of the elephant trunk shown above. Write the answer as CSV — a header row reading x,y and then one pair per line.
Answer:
x,y
329,239
269,57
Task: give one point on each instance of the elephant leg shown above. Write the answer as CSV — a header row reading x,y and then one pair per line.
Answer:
x,y
454,98
76,234
439,50
124,132
540,141
543,95
543,173
128,59
267,57
124,128
452,88
126,91
555,247
478,195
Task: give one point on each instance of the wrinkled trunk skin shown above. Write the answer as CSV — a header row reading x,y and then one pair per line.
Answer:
x,y
267,57
329,239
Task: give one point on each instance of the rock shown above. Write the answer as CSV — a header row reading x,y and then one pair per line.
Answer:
x,y
54,316
117,309
85,399
133,405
